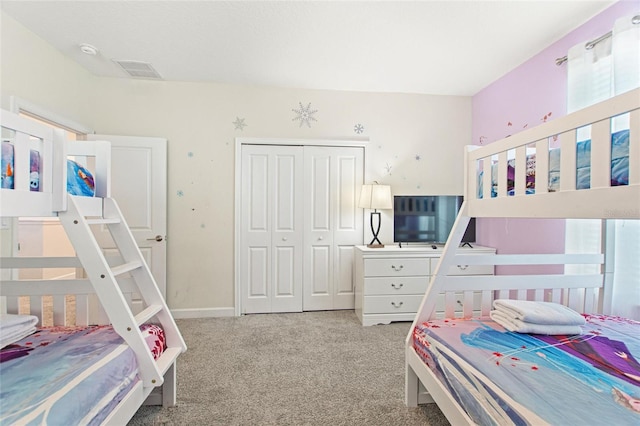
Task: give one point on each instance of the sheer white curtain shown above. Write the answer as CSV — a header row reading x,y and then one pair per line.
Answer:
x,y
590,75
625,237
589,80
611,67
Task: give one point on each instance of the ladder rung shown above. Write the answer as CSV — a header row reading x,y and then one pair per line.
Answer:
x,y
126,267
167,358
103,221
147,313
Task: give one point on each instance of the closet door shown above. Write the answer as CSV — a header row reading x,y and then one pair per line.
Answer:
x,y
333,225
271,229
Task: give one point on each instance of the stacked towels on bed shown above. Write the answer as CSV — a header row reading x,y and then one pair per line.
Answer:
x,y
16,327
523,316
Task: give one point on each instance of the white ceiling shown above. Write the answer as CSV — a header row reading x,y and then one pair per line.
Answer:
x,y
433,47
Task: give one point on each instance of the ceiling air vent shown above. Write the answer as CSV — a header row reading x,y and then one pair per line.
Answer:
x,y
139,69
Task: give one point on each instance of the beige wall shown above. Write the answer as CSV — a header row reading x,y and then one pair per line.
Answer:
x,y
31,69
415,144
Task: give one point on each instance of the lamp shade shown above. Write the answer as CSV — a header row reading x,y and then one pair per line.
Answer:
x,y
375,197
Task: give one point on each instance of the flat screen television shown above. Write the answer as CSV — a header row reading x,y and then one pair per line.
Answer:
x,y
427,219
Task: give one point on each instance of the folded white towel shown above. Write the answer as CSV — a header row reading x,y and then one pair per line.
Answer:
x,y
519,326
539,312
16,327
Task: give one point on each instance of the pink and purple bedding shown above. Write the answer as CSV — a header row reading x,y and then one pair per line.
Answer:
x,y
69,375
519,378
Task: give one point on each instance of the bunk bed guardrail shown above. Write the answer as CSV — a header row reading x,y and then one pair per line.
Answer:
x,y
566,201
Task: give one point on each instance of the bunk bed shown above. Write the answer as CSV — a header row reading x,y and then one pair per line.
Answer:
x,y
472,367
93,347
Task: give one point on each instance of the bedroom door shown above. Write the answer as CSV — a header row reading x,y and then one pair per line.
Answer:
x,y
139,186
271,219
333,225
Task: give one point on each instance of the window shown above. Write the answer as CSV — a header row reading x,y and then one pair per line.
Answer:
x,y
610,67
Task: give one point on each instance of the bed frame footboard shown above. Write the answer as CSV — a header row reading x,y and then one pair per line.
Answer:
x,y
423,387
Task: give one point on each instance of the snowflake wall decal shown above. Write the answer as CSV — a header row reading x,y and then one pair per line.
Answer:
x,y
304,115
418,157
358,128
239,124
180,193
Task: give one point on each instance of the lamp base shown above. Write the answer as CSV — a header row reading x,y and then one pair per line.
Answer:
x,y
375,245
375,232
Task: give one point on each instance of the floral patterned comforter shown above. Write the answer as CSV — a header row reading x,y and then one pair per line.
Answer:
x,y
68,375
503,377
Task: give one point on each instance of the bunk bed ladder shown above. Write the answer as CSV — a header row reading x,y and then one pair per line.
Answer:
x,y
103,279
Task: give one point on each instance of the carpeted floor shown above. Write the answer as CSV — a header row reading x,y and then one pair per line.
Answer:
x,y
312,368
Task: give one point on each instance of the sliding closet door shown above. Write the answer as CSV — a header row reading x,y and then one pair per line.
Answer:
x,y
333,225
271,229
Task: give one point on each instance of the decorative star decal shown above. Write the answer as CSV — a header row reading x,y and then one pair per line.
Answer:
x,y
239,124
304,115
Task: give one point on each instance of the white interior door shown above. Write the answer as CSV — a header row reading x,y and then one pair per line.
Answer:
x,y
333,225
139,186
271,229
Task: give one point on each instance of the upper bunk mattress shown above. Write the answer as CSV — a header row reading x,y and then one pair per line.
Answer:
x,y
69,375
504,377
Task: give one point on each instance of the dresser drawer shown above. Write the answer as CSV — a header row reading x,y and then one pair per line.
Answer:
x,y
391,304
471,270
395,285
390,267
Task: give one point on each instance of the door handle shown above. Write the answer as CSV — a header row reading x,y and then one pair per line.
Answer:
x,y
157,238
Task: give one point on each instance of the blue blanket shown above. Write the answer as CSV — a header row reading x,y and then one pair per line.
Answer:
x,y
69,375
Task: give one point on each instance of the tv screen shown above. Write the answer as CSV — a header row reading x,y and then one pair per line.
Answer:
x,y
427,218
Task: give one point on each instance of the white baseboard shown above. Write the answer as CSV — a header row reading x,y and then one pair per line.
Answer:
x,y
202,313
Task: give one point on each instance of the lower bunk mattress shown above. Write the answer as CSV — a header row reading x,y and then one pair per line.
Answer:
x,y
502,377
69,375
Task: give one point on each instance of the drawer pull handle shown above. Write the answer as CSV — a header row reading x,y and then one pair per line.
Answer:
x,y
396,305
397,268
397,286
463,267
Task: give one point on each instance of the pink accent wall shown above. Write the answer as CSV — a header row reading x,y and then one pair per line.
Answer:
x,y
532,93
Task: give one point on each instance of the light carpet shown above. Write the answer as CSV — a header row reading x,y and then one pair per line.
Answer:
x,y
312,368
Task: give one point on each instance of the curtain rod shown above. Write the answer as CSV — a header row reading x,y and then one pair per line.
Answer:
x,y
591,44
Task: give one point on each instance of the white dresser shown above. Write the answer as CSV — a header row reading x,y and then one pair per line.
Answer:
x,y
391,281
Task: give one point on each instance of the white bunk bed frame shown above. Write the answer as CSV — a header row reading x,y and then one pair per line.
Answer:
x,y
157,384
583,293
